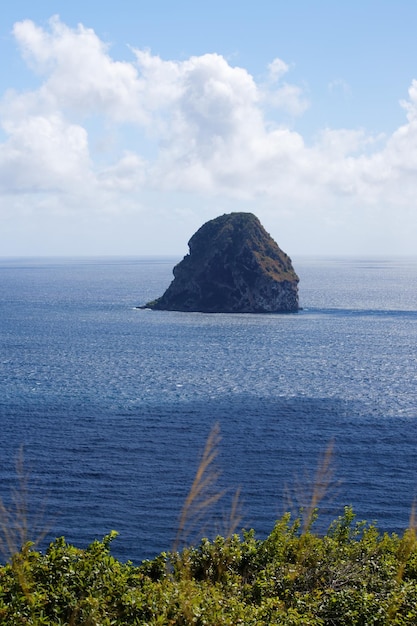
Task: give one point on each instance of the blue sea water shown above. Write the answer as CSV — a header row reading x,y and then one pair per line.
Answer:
x,y
113,404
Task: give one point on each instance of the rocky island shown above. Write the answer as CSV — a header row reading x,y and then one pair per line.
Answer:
x,y
234,266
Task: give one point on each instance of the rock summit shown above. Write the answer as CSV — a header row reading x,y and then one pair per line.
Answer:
x,y
234,266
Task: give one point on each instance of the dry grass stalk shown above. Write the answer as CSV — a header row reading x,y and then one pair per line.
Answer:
x,y
202,494
234,518
308,495
17,527
408,543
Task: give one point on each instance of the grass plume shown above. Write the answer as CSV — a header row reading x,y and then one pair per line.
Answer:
x,y
17,526
307,495
234,518
203,493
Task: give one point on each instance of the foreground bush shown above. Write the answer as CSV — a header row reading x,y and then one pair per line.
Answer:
x,y
352,575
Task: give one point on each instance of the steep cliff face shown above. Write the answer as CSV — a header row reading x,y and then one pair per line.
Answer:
x,y
234,266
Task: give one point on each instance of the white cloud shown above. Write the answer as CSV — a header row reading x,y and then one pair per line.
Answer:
x,y
339,85
340,143
208,126
411,105
41,153
125,175
214,118
288,98
80,75
277,69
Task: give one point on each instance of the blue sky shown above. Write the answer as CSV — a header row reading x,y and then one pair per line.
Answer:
x,y
125,126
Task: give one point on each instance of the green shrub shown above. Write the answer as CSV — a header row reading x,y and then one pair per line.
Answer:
x,y
353,575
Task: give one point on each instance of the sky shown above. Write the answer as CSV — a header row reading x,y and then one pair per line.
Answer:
x,y
124,126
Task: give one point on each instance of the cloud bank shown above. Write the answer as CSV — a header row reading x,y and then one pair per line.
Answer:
x,y
99,135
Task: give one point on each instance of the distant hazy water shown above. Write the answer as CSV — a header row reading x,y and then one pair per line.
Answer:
x,y
113,404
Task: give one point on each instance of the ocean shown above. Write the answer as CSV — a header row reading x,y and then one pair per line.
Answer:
x,y
111,405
